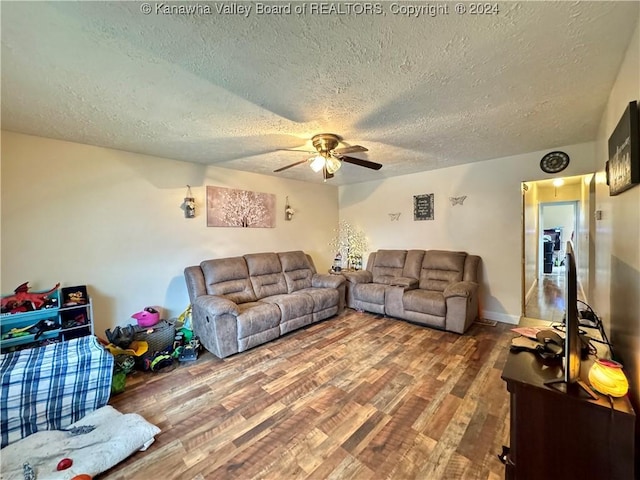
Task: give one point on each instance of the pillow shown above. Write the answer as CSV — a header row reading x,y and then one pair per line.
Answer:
x,y
115,437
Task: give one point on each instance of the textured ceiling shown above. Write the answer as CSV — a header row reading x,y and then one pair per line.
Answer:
x,y
230,90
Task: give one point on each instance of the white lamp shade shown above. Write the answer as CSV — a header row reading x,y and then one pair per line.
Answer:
x,y
317,163
333,164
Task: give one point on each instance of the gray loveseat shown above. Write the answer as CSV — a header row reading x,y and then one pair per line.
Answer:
x,y
241,302
432,287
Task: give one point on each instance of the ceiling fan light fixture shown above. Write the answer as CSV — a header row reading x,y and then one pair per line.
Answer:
x,y
333,164
330,156
317,163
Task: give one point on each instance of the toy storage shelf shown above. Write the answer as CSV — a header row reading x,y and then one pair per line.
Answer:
x,y
76,321
70,322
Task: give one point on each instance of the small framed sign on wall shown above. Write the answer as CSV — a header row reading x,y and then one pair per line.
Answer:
x,y
623,166
423,207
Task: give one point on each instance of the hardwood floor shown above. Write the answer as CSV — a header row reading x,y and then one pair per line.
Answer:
x,y
355,397
546,302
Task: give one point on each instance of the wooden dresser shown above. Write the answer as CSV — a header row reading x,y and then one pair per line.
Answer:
x,y
560,434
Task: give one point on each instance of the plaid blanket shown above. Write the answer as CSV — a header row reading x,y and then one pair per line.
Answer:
x,y
51,387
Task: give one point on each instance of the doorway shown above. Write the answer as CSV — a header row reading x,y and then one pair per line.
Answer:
x,y
558,225
554,211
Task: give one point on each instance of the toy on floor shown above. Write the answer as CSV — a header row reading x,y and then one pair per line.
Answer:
x,y
159,361
64,464
23,301
185,318
147,317
136,348
121,336
189,352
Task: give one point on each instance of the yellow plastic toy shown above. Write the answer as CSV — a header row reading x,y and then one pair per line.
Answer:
x,y
137,348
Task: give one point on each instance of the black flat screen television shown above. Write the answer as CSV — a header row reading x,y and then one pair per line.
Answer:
x,y
572,340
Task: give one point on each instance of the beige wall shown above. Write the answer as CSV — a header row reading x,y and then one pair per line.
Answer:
x,y
531,239
80,214
565,193
489,223
617,279
586,235
560,216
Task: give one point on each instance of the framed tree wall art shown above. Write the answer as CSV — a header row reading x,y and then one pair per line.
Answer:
x,y
228,207
623,166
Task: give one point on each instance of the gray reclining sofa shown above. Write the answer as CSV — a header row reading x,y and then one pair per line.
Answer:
x,y
436,288
240,302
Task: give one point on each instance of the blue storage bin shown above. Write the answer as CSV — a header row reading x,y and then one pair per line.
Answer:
x,y
9,321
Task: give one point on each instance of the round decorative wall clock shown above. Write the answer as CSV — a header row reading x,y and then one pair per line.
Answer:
x,y
554,162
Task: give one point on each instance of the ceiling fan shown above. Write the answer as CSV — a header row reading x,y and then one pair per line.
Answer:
x,y
328,158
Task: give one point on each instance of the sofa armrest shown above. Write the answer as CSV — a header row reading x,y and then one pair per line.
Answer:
x,y
462,306
215,322
326,280
461,289
361,276
408,283
216,305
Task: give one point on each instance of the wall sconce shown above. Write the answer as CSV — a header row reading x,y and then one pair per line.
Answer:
x,y
607,377
288,211
189,204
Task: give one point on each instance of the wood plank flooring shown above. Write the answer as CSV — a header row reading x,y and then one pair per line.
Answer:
x,y
546,302
358,396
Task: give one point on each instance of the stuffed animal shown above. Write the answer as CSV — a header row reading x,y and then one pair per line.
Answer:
x,y
22,300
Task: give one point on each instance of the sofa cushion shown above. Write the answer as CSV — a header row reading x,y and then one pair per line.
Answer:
x,y
413,264
369,292
425,301
297,270
441,268
228,277
387,265
296,310
291,306
323,298
265,272
257,317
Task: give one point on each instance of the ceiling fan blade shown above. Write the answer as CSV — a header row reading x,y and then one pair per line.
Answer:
x,y
289,166
295,150
361,162
351,149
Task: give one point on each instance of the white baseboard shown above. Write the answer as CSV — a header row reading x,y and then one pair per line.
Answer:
x,y
534,288
501,317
